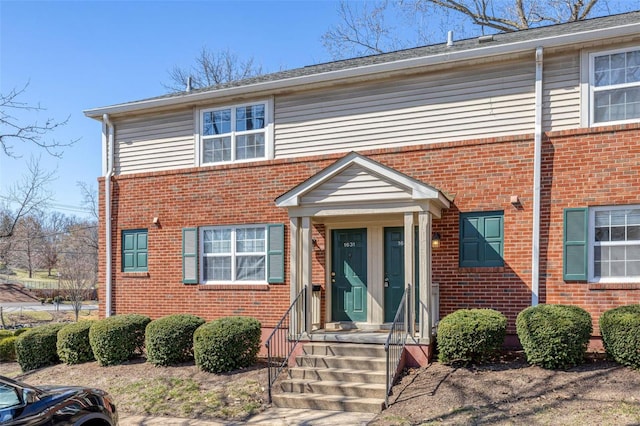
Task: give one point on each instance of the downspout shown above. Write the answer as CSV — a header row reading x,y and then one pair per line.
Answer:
x,y
537,166
107,133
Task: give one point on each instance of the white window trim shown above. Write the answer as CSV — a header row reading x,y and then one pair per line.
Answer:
x,y
590,250
268,132
589,87
201,255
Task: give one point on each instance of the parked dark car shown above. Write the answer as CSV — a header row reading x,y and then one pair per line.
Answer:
x,y
21,404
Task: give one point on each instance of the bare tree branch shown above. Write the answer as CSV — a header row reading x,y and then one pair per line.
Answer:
x,y
362,29
89,199
29,194
12,130
211,69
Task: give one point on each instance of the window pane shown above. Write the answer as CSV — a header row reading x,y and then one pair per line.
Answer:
x,y
633,269
617,269
601,66
602,234
217,268
617,233
250,118
250,240
633,233
618,253
250,268
216,122
633,252
217,150
250,146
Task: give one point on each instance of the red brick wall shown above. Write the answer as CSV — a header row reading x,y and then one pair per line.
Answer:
x,y
580,169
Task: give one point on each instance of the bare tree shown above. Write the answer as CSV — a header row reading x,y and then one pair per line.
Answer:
x,y
212,68
55,225
27,244
77,265
89,198
12,130
29,194
362,29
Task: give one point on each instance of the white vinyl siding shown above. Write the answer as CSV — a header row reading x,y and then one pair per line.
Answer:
x,y
352,185
561,92
466,104
164,141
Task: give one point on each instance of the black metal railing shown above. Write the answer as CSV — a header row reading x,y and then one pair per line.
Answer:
x,y
284,337
396,340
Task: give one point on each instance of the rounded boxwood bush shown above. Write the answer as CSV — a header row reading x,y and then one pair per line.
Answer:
x,y
116,339
620,330
8,348
471,335
169,340
73,343
227,344
36,348
554,336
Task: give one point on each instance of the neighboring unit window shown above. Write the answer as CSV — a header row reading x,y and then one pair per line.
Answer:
x,y
234,134
615,243
234,254
481,239
615,86
134,250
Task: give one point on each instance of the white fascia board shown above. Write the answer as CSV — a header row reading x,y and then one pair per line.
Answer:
x,y
485,51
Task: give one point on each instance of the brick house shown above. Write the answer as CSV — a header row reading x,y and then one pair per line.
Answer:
x,y
495,172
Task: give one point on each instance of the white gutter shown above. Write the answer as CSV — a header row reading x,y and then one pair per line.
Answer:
x,y
107,138
365,70
537,166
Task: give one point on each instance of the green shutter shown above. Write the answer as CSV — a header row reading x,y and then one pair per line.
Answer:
x,y
481,239
190,255
134,250
574,247
275,253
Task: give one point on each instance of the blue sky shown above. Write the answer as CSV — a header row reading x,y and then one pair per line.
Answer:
x,y
81,55
77,55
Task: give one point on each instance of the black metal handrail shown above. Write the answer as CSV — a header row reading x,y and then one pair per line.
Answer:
x,y
285,336
396,340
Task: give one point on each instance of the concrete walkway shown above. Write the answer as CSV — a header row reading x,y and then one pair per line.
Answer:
x,y
271,417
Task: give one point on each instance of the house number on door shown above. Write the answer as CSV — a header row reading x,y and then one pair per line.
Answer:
x,y
349,244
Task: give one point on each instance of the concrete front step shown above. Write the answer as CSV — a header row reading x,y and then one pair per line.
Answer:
x,y
344,349
328,402
338,374
325,387
360,362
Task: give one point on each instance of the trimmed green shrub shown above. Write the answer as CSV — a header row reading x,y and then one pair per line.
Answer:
x,y
20,331
169,340
36,348
116,339
227,344
620,329
73,343
471,335
554,336
5,333
8,348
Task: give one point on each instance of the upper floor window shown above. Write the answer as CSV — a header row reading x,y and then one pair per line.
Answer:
x,y
615,86
234,134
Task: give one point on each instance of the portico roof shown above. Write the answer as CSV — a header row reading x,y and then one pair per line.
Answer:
x,y
356,184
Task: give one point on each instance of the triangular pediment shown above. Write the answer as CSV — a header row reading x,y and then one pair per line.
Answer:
x,y
358,180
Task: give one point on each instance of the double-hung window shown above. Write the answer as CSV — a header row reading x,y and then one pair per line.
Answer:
x,y
235,133
602,244
231,254
615,86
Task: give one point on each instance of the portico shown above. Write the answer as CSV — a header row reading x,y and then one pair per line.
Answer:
x,y
377,224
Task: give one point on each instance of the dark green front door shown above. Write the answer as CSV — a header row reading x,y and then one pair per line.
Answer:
x,y
393,271
394,280
349,275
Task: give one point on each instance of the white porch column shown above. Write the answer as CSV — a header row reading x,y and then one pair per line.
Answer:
x,y
294,266
307,276
424,270
409,266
